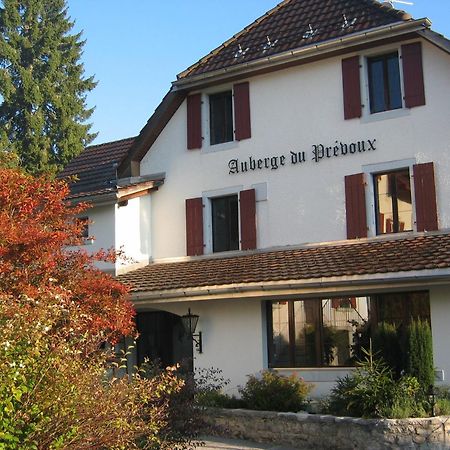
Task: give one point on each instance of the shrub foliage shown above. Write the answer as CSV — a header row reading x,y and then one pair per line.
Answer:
x,y
56,313
270,391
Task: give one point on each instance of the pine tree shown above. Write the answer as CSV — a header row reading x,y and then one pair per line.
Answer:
x,y
43,110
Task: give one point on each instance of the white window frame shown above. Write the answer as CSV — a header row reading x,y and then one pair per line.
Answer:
x,y
367,116
207,146
369,171
207,196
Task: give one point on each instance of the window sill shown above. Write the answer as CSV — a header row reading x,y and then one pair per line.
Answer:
x,y
220,147
385,115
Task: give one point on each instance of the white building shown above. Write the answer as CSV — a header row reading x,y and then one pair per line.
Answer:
x,y
291,190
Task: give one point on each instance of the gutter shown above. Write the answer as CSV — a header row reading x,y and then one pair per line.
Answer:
x,y
353,284
325,47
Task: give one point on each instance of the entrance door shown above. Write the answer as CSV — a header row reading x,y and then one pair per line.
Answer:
x,y
162,339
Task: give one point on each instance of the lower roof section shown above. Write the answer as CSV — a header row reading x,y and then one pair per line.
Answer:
x,y
392,262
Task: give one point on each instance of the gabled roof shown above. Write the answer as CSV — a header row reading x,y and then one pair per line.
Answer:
x,y
323,263
95,168
294,24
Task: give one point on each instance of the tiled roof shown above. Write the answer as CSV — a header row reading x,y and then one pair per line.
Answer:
x,y
294,24
376,256
95,167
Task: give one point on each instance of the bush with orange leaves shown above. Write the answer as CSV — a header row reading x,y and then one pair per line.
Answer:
x,y
56,309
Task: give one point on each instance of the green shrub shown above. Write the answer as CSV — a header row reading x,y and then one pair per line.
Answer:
x,y
442,407
419,354
373,391
270,391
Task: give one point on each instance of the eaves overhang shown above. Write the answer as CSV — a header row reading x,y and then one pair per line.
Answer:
x,y
322,49
124,190
343,285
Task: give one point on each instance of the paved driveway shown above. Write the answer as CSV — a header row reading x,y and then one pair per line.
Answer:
x,y
215,443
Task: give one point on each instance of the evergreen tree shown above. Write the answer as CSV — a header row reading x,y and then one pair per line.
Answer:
x,y
43,90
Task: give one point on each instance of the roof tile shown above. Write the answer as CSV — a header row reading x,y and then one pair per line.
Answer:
x,y
95,167
322,261
294,24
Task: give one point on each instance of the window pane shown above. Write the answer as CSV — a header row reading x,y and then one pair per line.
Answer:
x,y
280,335
393,202
221,117
376,86
343,320
395,92
306,328
400,308
225,223
384,83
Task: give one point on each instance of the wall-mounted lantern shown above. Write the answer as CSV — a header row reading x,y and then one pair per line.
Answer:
x,y
190,324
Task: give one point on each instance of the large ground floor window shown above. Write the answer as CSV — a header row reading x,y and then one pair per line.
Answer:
x,y
330,332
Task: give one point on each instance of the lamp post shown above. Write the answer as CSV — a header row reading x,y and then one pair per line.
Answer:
x,y
190,324
432,399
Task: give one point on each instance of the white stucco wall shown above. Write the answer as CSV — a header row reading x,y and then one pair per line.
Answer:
x,y
292,110
233,337
133,232
439,305
102,230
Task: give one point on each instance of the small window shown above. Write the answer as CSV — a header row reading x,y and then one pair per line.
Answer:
x,y
225,223
384,83
221,117
393,202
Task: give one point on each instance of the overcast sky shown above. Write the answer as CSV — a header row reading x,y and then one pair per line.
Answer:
x,y
136,48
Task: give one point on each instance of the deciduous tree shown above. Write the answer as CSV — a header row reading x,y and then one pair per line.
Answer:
x,y
57,310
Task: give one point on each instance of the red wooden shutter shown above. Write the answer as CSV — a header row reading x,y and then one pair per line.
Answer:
x,y
355,206
194,121
425,197
194,226
242,125
413,75
248,219
352,87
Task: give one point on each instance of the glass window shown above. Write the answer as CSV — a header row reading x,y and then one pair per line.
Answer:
x,y
393,202
316,332
221,117
384,83
225,223
331,332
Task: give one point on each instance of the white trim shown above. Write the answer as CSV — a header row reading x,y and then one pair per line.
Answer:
x,y
207,213
367,116
207,146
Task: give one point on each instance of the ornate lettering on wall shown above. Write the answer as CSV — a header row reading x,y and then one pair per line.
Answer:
x,y
318,153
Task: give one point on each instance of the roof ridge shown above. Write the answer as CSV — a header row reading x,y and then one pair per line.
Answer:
x,y
104,144
388,7
234,37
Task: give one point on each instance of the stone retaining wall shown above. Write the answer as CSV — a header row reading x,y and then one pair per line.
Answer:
x,y
313,431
